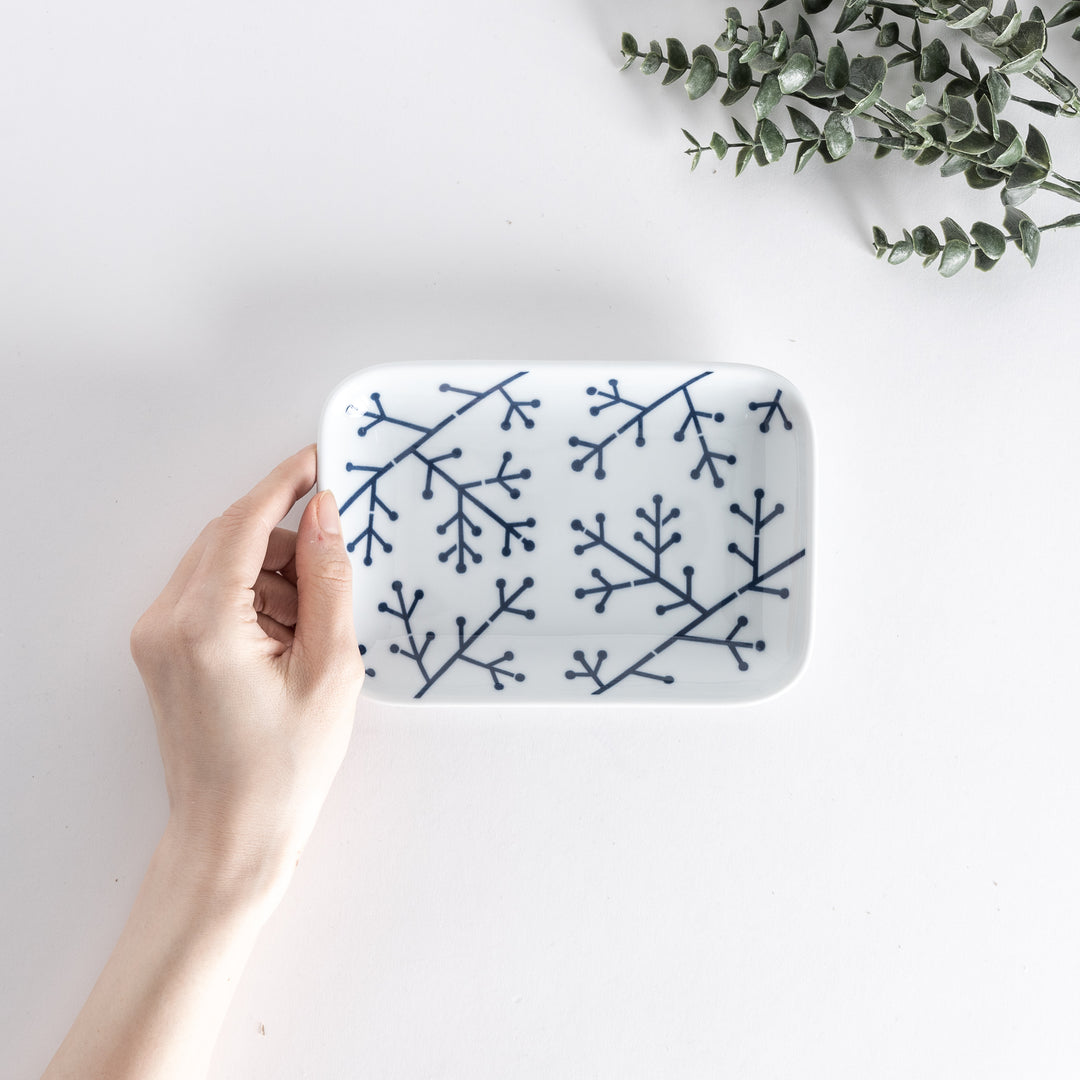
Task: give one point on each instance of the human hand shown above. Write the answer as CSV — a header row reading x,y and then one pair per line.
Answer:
x,y
252,668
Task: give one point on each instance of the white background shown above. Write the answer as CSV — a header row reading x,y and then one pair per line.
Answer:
x,y
211,213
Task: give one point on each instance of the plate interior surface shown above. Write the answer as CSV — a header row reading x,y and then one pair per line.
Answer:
x,y
587,533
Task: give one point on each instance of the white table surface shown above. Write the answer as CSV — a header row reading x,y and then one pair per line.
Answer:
x,y
213,213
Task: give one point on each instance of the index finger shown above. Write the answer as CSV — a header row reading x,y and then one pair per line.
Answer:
x,y
236,546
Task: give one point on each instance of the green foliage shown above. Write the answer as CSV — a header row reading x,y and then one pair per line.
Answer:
x,y
964,57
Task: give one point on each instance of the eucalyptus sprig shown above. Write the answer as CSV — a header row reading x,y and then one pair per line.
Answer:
x,y
954,115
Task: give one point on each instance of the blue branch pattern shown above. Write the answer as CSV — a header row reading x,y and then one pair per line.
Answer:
x,y
416,648
461,524
636,422
651,572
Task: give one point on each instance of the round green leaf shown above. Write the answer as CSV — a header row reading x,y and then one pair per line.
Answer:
x,y
1029,240
934,61
838,132
768,95
836,68
954,257
653,59
703,73
901,251
772,140
1037,147
804,127
796,72
925,241
990,239
805,153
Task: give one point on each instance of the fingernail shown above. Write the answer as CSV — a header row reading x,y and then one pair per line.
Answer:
x,y
326,513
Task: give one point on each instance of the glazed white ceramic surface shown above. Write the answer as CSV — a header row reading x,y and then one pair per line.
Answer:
x,y
589,533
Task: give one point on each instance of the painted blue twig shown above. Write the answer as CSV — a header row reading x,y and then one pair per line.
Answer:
x,y
773,406
416,651
636,422
435,469
653,575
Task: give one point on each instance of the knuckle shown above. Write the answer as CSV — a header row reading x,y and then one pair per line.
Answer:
x,y
144,639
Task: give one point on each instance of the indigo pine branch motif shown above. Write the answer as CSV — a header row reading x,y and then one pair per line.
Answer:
x,y
473,508
418,645
644,566
594,451
773,406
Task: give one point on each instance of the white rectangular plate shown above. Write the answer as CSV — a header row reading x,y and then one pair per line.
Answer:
x,y
587,533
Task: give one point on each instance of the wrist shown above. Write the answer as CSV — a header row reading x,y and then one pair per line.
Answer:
x,y
220,875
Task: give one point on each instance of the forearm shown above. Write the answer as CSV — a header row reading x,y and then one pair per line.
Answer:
x,y
157,1008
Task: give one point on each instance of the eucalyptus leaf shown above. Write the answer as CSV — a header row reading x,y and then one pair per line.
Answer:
x,y
865,72
971,19
1037,147
889,35
987,117
901,250
867,102
881,241
743,159
991,240
998,88
851,11
925,241
837,67
977,179
954,257
952,231
704,72
768,95
678,61
1025,63
692,140
1066,13
1023,182
796,72
1009,32
983,261
838,132
628,47
805,152
743,134
975,142
934,61
969,64
954,165
1029,240
653,59
1010,155
739,76
818,90
918,101
719,145
771,139
803,126
814,7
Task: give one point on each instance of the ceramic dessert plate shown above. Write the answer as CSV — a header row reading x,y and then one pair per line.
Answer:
x,y
573,533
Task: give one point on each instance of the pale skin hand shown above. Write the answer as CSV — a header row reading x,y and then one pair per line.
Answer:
x,y
252,669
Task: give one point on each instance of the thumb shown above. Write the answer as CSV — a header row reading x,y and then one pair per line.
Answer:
x,y
324,618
